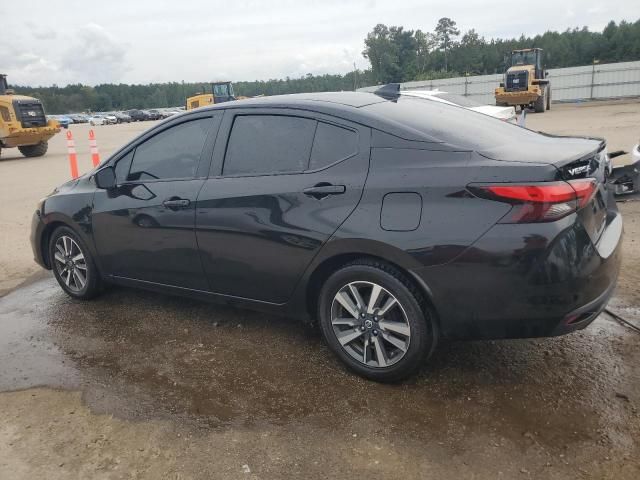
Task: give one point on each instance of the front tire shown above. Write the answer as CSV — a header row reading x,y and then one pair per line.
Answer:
x,y
541,102
376,321
36,150
73,265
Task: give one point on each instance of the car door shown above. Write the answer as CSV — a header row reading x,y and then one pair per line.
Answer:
x,y
282,182
144,227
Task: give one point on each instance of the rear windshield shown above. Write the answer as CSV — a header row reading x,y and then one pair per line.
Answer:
x,y
451,124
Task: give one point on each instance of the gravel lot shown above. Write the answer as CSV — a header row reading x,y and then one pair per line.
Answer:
x,y
139,385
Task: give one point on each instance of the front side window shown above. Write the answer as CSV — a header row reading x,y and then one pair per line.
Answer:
x,y
122,168
171,154
269,144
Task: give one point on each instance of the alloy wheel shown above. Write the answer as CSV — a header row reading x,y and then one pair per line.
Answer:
x,y
370,324
70,263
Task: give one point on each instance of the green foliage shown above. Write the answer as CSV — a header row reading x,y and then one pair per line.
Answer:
x,y
395,54
439,55
107,97
445,34
392,53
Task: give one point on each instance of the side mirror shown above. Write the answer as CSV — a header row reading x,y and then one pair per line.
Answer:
x,y
546,74
105,178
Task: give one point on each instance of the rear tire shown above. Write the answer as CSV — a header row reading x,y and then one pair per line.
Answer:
x,y
377,341
37,150
540,102
73,265
548,97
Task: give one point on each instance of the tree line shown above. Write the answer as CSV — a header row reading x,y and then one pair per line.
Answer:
x,y
395,55
399,55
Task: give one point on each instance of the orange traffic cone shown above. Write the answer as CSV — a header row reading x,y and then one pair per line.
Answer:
x,y
93,146
73,157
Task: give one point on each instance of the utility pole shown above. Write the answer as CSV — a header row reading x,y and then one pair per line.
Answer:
x,y
593,76
355,77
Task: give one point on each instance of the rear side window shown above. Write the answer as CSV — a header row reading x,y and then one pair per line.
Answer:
x,y
171,154
268,144
332,144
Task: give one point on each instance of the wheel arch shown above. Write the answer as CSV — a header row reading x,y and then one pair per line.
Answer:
x,y
52,223
333,260
46,237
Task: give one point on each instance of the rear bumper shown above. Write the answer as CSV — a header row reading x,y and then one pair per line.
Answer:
x,y
520,281
583,316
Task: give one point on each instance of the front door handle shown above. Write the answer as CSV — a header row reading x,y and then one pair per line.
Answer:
x,y
322,190
175,203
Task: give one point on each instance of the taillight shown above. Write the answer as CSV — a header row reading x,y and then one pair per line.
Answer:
x,y
539,202
585,190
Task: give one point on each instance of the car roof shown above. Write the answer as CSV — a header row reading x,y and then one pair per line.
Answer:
x,y
347,99
350,106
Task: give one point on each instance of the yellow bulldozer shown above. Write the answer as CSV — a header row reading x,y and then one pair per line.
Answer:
x,y
23,123
220,92
525,82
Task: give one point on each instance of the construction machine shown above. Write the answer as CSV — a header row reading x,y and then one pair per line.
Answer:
x,y
23,123
525,82
220,92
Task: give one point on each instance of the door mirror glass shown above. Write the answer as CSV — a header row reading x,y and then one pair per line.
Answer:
x,y
105,178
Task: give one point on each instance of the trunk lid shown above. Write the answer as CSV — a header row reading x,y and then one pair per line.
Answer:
x,y
575,158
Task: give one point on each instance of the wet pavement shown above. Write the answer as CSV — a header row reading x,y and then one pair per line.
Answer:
x,y
564,407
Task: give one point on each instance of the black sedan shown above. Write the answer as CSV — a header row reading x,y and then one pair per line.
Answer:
x,y
154,114
392,221
138,115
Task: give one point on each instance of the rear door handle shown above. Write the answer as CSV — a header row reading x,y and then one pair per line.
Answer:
x,y
176,203
323,190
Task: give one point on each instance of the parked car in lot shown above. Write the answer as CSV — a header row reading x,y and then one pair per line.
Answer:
x,y
154,114
78,118
391,221
122,117
110,118
508,114
61,119
169,113
64,120
138,115
98,120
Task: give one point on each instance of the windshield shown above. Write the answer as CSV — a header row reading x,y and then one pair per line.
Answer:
x,y
222,90
523,58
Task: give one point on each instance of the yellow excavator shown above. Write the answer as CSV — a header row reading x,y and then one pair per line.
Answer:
x,y
23,123
525,83
220,92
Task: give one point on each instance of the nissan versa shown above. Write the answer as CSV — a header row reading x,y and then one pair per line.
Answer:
x,y
392,221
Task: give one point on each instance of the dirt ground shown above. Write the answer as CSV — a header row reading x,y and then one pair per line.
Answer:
x,y
137,385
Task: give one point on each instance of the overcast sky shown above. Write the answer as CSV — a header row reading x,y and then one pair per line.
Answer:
x,y
143,41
